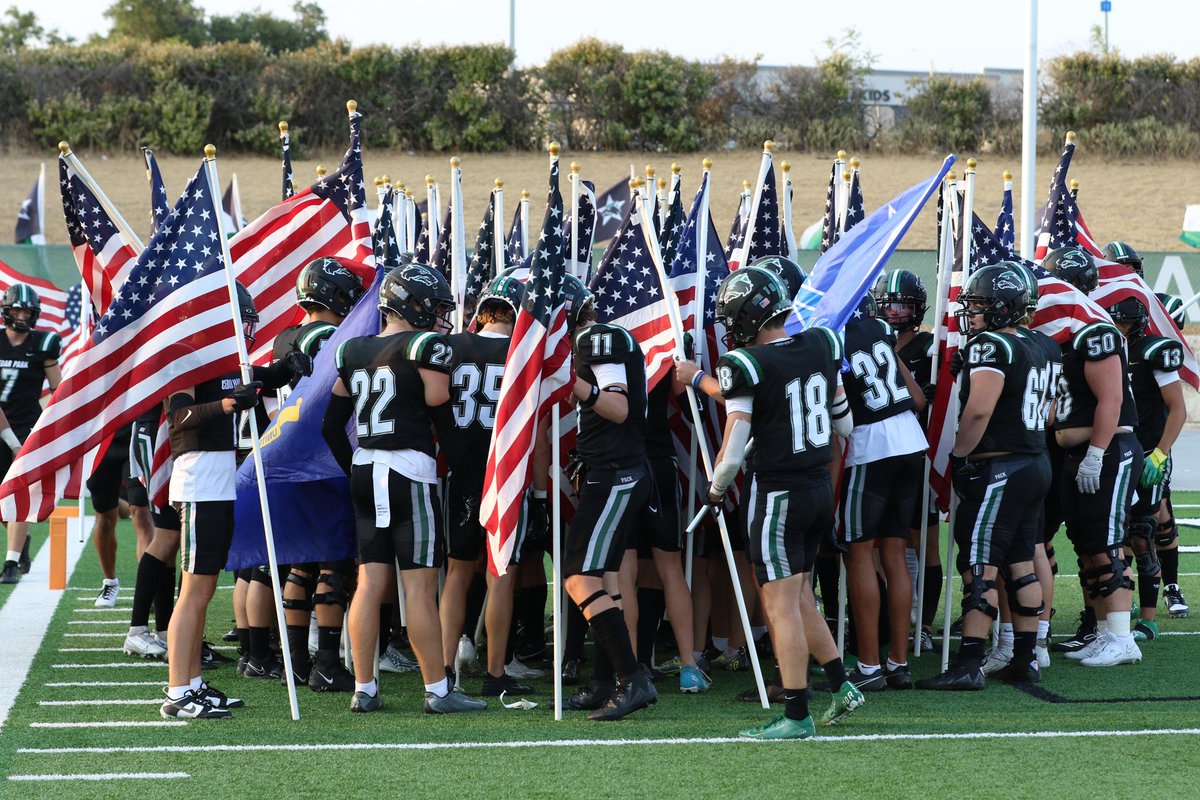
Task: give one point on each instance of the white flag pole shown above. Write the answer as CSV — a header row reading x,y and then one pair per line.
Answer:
x,y
400,214
839,193
498,226
380,193
432,218
677,328
126,229
573,256
524,223
410,210
785,224
698,344
556,557
458,243
39,236
210,171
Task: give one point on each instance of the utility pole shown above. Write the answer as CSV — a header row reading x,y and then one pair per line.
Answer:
x,y
1106,7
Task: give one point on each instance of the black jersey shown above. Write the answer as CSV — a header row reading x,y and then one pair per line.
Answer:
x,y
659,442
1017,423
1076,406
464,425
22,374
792,382
1148,357
225,431
874,386
380,372
1050,351
308,338
916,356
602,443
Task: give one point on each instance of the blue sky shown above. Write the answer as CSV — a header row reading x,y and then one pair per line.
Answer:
x,y
961,36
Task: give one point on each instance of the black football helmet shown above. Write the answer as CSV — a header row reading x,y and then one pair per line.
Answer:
x,y
747,300
1133,311
1031,284
997,292
578,298
1124,255
328,283
505,288
1174,307
247,312
1075,266
900,287
419,294
21,295
793,276
867,308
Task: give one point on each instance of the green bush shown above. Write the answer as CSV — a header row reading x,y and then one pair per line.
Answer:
x,y
947,114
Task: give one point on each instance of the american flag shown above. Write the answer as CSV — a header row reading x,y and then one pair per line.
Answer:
x,y
484,262
587,226
737,231
629,294
1006,231
232,220
54,300
536,373
103,256
439,259
1061,223
515,243
289,182
160,203
672,228
329,218
762,223
78,328
168,328
787,235
387,248
856,207
829,224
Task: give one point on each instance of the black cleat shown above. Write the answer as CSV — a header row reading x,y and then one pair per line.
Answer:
x,y
1017,673
192,706
875,682
1085,634
898,678
505,684
956,679
10,574
331,676
632,695
268,668
774,694
216,698
301,669
210,658
23,563
570,672
363,703
590,697
230,635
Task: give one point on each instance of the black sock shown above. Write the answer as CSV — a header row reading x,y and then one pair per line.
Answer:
x,y
576,631
1148,590
602,666
1170,565
970,653
149,573
613,637
476,592
1089,616
385,623
1023,642
298,642
651,604
329,638
827,583
530,612
243,635
25,548
164,598
836,672
260,642
795,704
933,593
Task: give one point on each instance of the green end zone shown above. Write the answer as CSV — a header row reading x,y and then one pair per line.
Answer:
x,y
902,744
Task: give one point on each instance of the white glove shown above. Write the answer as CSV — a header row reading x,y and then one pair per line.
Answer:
x,y
1088,477
10,439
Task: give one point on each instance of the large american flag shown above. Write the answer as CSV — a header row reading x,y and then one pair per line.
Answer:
x,y
168,328
78,328
103,256
672,227
759,235
160,203
629,294
737,231
856,207
486,263
514,244
288,187
536,375
1061,223
386,246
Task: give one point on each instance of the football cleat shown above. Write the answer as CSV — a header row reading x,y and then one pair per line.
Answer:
x,y
393,660
1177,607
692,680
268,668
570,672
1116,650
782,728
734,661
216,698
210,658
23,563
671,666
1084,635
230,635
191,706
1041,652
301,669
454,702
996,660
1146,630
109,592
330,676
521,672
363,703
774,694
10,574
1014,672
505,684
144,644
846,700
898,678
956,679
590,697
1090,649
465,659
926,641
629,696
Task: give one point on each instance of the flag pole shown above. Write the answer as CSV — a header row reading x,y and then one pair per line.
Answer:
x,y
400,214
673,192
574,254
556,556
285,143
431,214
755,200
380,192
81,171
672,304
785,221
458,243
839,194
698,344
210,171
524,223
663,199
498,230
41,206
410,211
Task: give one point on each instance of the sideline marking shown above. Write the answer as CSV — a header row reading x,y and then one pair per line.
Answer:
x,y
165,723
108,664
138,702
866,737
90,684
91,635
102,776
113,610
97,622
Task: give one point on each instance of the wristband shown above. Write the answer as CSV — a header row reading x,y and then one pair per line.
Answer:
x,y
10,438
1098,452
697,378
592,397
539,494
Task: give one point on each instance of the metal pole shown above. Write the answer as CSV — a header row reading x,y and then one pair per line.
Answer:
x,y
574,254
556,558
498,226
698,343
1029,130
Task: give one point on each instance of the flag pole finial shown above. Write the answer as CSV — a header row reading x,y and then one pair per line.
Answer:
x,y
1008,175
210,151
971,164
283,126
429,180
555,148
408,194
662,183
1074,184
1070,137
845,174
400,186
499,184
841,156
320,171
950,176
855,163
524,194
64,148
649,171
455,162
746,185
785,166
768,146
707,163
575,167
676,168
352,106
378,181
387,180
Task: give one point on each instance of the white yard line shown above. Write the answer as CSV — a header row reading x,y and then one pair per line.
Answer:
x,y
865,737
137,702
98,622
112,635
158,723
91,684
110,664
29,610
102,776
113,610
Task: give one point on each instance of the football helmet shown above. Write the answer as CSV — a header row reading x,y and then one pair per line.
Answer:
x,y
1174,307
328,283
1131,310
793,276
21,295
998,292
747,300
505,288
1031,284
577,297
248,313
419,294
1124,255
867,308
1075,266
901,288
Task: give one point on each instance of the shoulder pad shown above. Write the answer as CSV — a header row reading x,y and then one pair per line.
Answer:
x,y
738,372
311,341
1097,341
835,342
604,344
1166,355
51,344
430,351
339,355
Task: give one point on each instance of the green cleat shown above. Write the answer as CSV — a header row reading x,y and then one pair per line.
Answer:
x,y
845,701
1146,630
782,728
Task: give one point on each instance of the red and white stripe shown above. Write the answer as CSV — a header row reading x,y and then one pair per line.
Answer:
x,y
54,300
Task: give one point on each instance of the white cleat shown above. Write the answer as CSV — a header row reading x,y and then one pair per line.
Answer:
x,y
1041,651
996,660
1090,649
1116,650
515,669
465,658
144,644
109,593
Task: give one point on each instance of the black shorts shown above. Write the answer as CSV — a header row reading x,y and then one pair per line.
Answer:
x,y
166,518
465,537
878,498
397,518
6,454
111,476
997,518
1097,522
1051,518
787,523
608,502
657,522
1148,499
205,534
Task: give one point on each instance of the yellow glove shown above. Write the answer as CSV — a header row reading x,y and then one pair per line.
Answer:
x,y
1153,468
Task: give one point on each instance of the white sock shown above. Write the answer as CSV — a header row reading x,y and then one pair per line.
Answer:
x,y
13,555
371,687
441,688
134,630
758,631
914,565
1006,637
1118,623
868,669
721,643
112,582
177,692
1102,626
1043,628
197,683
892,665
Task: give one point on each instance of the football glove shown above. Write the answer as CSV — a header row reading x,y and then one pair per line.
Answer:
x,y
956,363
246,396
298,364
1153,468
962,470
1087,479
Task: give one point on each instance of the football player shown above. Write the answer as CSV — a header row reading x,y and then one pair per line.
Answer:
x,y
1154,363
1000,473
111,475
388,385
1095,418
1123,254
28,359
464,427
785,391
1167,540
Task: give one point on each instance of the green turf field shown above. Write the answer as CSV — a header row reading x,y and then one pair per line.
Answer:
x,y
902,744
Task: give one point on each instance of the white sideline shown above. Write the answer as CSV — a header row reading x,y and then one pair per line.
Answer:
x,y
29,610
110,665
163,723
89,684
866,737
137,702
102,776
94,635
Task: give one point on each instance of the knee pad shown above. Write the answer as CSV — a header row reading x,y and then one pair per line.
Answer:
x,y
1015,585
1108,578
1142,528
1147,564
336,594
306,582
973,599
261,575
1167,533
1082,573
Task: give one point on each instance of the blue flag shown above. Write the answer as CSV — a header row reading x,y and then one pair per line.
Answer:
x,y
848,269
311,511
